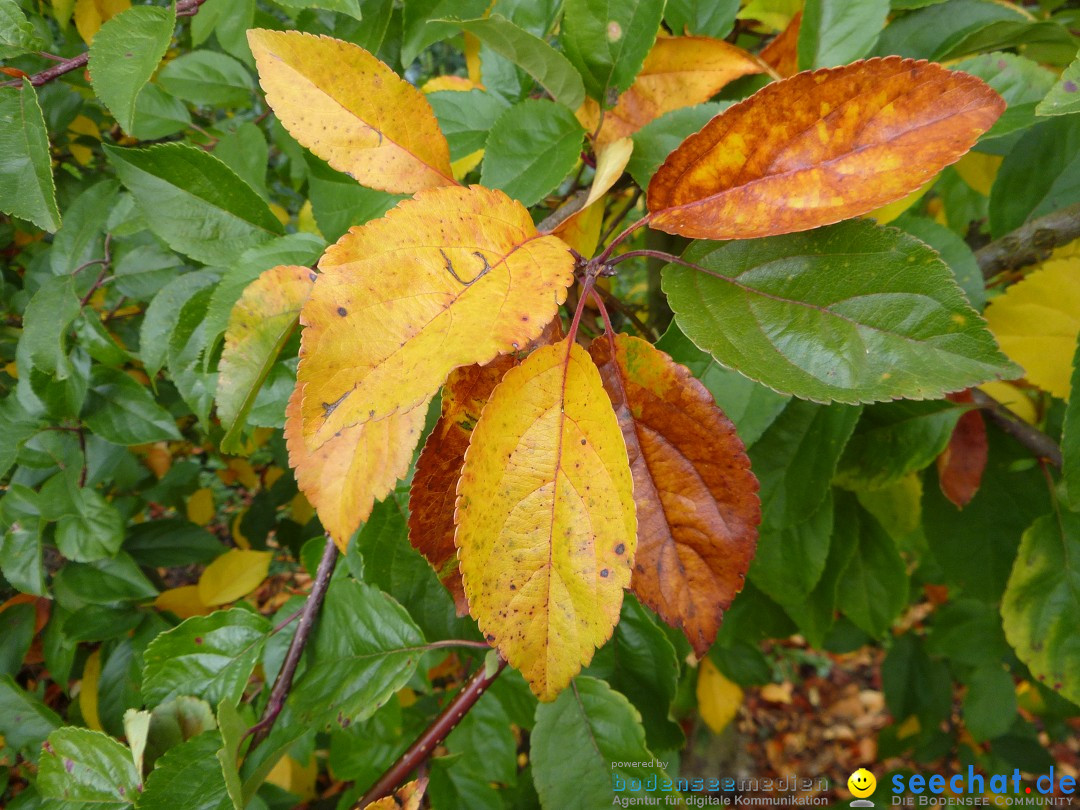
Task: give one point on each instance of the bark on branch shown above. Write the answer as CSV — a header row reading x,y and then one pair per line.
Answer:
x,y
1031,242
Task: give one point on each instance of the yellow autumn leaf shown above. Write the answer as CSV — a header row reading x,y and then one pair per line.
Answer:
x,y
237,531
90,15
357,466
62,11
775,14
979,170
546,528
452,277
581,230
200,506
678,72
305,220
183,601
1036,323
290,775
88,691
351,110
463,165
406,797
454,83
473,65
718,698
233,575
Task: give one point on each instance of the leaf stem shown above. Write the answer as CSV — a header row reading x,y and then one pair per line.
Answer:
x,y
618,240
1041,445
621,215
434,734
284,680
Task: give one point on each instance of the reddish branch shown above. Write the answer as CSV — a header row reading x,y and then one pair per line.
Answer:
x,y
310,611
440,728
185,8
1033,439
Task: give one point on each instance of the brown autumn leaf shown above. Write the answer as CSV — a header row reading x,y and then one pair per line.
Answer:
x,y
678,72
357,466
697,502
434,485
406,797
782,54
820,147
960,466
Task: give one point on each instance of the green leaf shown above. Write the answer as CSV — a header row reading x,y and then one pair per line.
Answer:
x,y
16,633
366,648
848,313
188,776
421,24
1020,81
915,684
212,215
1055,42
465,118
587,745
233,732
207,656
1012,494
79,765
25,721
1064,97
640,662
789,562
608,40
930,32
175,722
531,149
170,543
893,439
990,702
103,582
25,166
91,528
967,631
187,343
43,343
1041,605
229,21
207,78
20,544
262,320
796,458
162,316
954,251
124,412
16,426
547,66
484,747
394,566
1070,438
17,34
750,405
658,139
124,54
158,115
836,32
339,202
1039,176
874,587
246,152
82,237
704,18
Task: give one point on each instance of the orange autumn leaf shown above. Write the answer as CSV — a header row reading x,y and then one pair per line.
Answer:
x,y
351,110
697,502
406,797
545,517
782,54
357,466
678,72
820,147
434,485
960,466
452,277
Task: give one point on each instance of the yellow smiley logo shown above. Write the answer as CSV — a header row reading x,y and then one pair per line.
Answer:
x,y
862,783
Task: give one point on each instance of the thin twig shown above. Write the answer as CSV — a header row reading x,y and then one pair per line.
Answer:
x,y
622,215
1031,242
283,684
185,8
434,734
626,312
563,212
1041,445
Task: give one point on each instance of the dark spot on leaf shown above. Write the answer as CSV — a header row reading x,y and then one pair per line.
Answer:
x,y
69,766
621,548
1070,87
311,276
198,639
342,311
604,573
582,442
